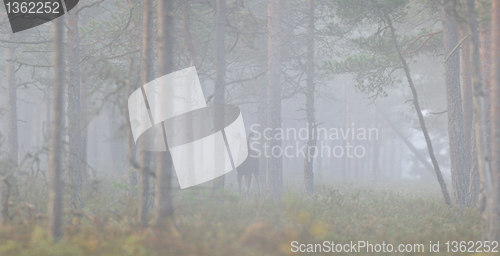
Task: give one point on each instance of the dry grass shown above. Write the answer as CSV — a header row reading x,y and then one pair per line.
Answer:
x,y
217,223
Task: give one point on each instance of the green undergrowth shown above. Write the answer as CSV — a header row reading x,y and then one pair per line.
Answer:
x,y
223,223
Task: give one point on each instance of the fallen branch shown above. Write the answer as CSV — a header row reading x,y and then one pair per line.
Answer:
x,y
456,47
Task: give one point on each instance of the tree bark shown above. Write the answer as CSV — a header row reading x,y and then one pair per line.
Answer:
x,y
459,176
74,111
467,106
164,209
311,123
55,147
220,80
11,131
495,122
345,141
485,57
132,83
84,123
147,65
483,159
275,164
190,46
188,40
131,149
84,120
375,149
421,119
262,117
12,137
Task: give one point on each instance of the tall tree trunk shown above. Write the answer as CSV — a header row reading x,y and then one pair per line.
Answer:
x,y
56,146
84,126
164,209
263,96
485,57
421,119
495,122
132,83
47,104
147,65
131,149
483,163
345,141
391,159
220,80
74,111
311,123
376,149
84,120
188,40
459,175
12,137
275,164
356,161
467,106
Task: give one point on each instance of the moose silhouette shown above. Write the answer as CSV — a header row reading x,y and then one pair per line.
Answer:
x,y
248,168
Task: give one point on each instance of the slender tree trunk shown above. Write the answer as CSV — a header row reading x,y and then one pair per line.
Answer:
x,y
311,123
12,137
74,111
84,120
220,80
263,88
147,63
459,175
188,40
391,159
399,164
132,83
164,209
47,105
483,162
466,94
345,141
356,161
485,57
439,175
131,149
495,122
375,148
11,131
190,46
467,106
474,182
275,164
56,146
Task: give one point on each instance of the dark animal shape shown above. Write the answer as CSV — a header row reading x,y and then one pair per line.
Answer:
x,y
248,168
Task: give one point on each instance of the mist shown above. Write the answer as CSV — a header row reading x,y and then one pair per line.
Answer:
x,y
233,127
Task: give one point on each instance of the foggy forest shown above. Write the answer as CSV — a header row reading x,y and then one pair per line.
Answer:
x,y
311,127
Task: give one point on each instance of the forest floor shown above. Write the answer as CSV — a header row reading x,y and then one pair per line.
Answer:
x,y
223,223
